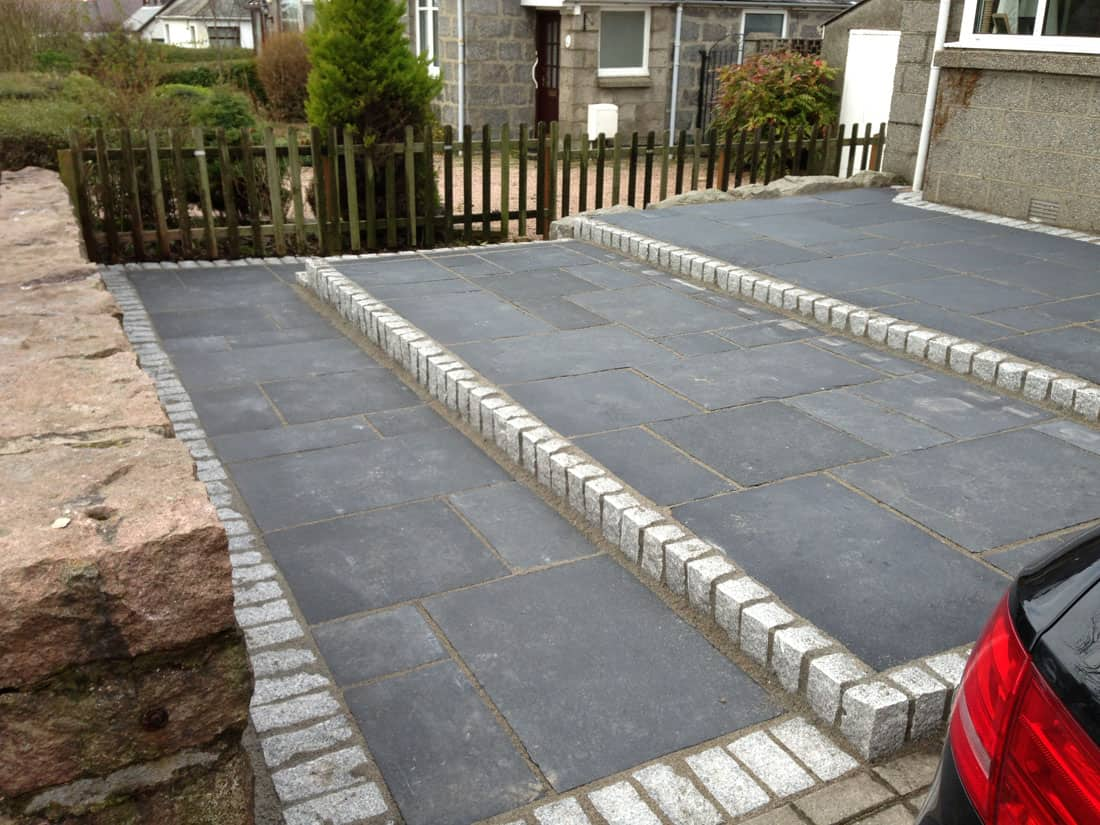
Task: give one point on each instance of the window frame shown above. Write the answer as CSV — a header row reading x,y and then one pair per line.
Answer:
x,y
744,18
1037,42
425,41
626,71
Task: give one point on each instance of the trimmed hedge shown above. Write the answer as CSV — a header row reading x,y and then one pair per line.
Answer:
x,y
240,74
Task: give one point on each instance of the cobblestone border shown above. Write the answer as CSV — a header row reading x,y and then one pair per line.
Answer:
x,y
877,713
321,771
1009,373
916,199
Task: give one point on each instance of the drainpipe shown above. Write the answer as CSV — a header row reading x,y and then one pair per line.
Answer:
x,y
461,67
930,98
675,71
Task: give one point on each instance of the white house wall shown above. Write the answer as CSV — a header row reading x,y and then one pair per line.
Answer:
x,y
179,32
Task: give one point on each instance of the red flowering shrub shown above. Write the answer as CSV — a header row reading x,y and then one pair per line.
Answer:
x,y
779,89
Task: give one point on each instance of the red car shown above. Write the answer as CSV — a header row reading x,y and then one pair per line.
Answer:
x,y
1023,744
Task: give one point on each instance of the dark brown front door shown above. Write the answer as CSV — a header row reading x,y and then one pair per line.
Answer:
x,y
547,70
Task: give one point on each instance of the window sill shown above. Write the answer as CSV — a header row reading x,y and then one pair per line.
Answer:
x,y
634,81
957,56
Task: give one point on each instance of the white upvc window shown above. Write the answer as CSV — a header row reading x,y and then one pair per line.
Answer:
x,y
767,23
624,42
1032,25
427,32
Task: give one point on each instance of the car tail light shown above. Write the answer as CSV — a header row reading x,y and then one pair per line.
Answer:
x,y
1023,759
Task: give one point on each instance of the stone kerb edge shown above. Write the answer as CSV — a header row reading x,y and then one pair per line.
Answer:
x,y
1009,373
308,742
877,717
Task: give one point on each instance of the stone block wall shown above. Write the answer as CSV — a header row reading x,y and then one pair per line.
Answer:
x,y
124,682
1003,137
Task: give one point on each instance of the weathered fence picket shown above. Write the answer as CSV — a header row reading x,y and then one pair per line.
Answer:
x,y
187,193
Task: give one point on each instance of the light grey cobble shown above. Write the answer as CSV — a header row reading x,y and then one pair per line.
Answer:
x,y
730,597
758,622
329,772
576,478
791,647
702,573
874,717
274,688
948,666
620,804
927,699
814,749
544,452
282,747
272,634
595,490
294,711
263,614
256,593
770,764
826,678
734,789
634,522
560,464
563,812
1011,375
529,442
654,540
614,506
677,796
677,556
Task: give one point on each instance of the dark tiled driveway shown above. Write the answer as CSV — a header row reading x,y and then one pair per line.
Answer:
x,y
871,494
1034,295
488,651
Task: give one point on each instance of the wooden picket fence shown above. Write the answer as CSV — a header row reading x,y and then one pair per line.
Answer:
x,y
190,193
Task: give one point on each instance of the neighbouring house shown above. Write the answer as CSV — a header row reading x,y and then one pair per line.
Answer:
x,y
101,15
197,23
1016,117
523,61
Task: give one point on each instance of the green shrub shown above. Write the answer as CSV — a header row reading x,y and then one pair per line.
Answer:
x,y
31,131
181,54
32,28
779,90
222,108
29,85
240,74
56,60
283,68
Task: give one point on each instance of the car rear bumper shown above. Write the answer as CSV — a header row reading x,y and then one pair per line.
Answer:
x,y
947,802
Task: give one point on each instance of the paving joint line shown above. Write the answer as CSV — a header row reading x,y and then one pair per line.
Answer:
x,y
872,710
1034,382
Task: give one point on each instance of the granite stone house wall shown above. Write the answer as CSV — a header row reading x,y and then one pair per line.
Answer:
x,y
1014,133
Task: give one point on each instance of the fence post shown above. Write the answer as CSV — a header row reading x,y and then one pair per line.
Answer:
x,y
880,138
566,172
350,176
540,179
600,162
319,196
204,189
163,247
486,182
448,183
505,181
228,192
430,194
179,193
79,190
133,196
521,194
647,186
700,101
467,183
248,163
106,196
295,161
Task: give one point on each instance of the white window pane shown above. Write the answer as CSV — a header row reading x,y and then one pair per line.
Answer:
x,y
1072,18
756,23
622,39
422,32
1006,17
435,35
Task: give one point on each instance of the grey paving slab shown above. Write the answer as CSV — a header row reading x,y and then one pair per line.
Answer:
x,y
1048,277
552,283
303,487
757,443
1075,310
312,332
864,244
952,405
1073,433
378,644
654,310
1025,319
871,297
652,467
871,213
560,313
465,264
246,446
522,528
203,343
606,276
444,757
869,422
202,369
568,352
856,196
471,316
698,343
536,256
1016,559
950,322
593,671
870,269
234,290
408,420
762,252
234,409
871,357
799,230
579,404
964,256
338,394
966,294
932,231
774,332
363,562
370,273
991,491
883,587
763,373
428,289
214,321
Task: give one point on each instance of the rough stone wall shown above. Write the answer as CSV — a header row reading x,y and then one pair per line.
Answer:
x,y
124,683
1002,138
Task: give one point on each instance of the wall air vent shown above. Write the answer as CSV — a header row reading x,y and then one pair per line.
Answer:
x,y
1042,211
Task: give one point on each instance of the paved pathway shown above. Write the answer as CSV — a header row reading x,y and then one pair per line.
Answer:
x,y
1034,295
489,653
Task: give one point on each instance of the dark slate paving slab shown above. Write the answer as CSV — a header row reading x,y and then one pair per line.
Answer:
x,y
234,409
874,358
560,313
246,446
633,680
856,196
370,273
468,266
1049,277
593,402
950,322
444,757
654,310
869,422
871,298
1027,319
1015,560
652,467
798,230
883,587
606,276
871,269
965,256
952,405
215,321
339,394
744,376
523,529
203,369
698,343
1072,433
408,420
931,231
763,442
203,343
966,294
471,316
1075,310
535,284
536,256
427,289
758,253
294,489
864,244
230,289
372,560
996,490
561,353
872,213
313,332
377,644
776,332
